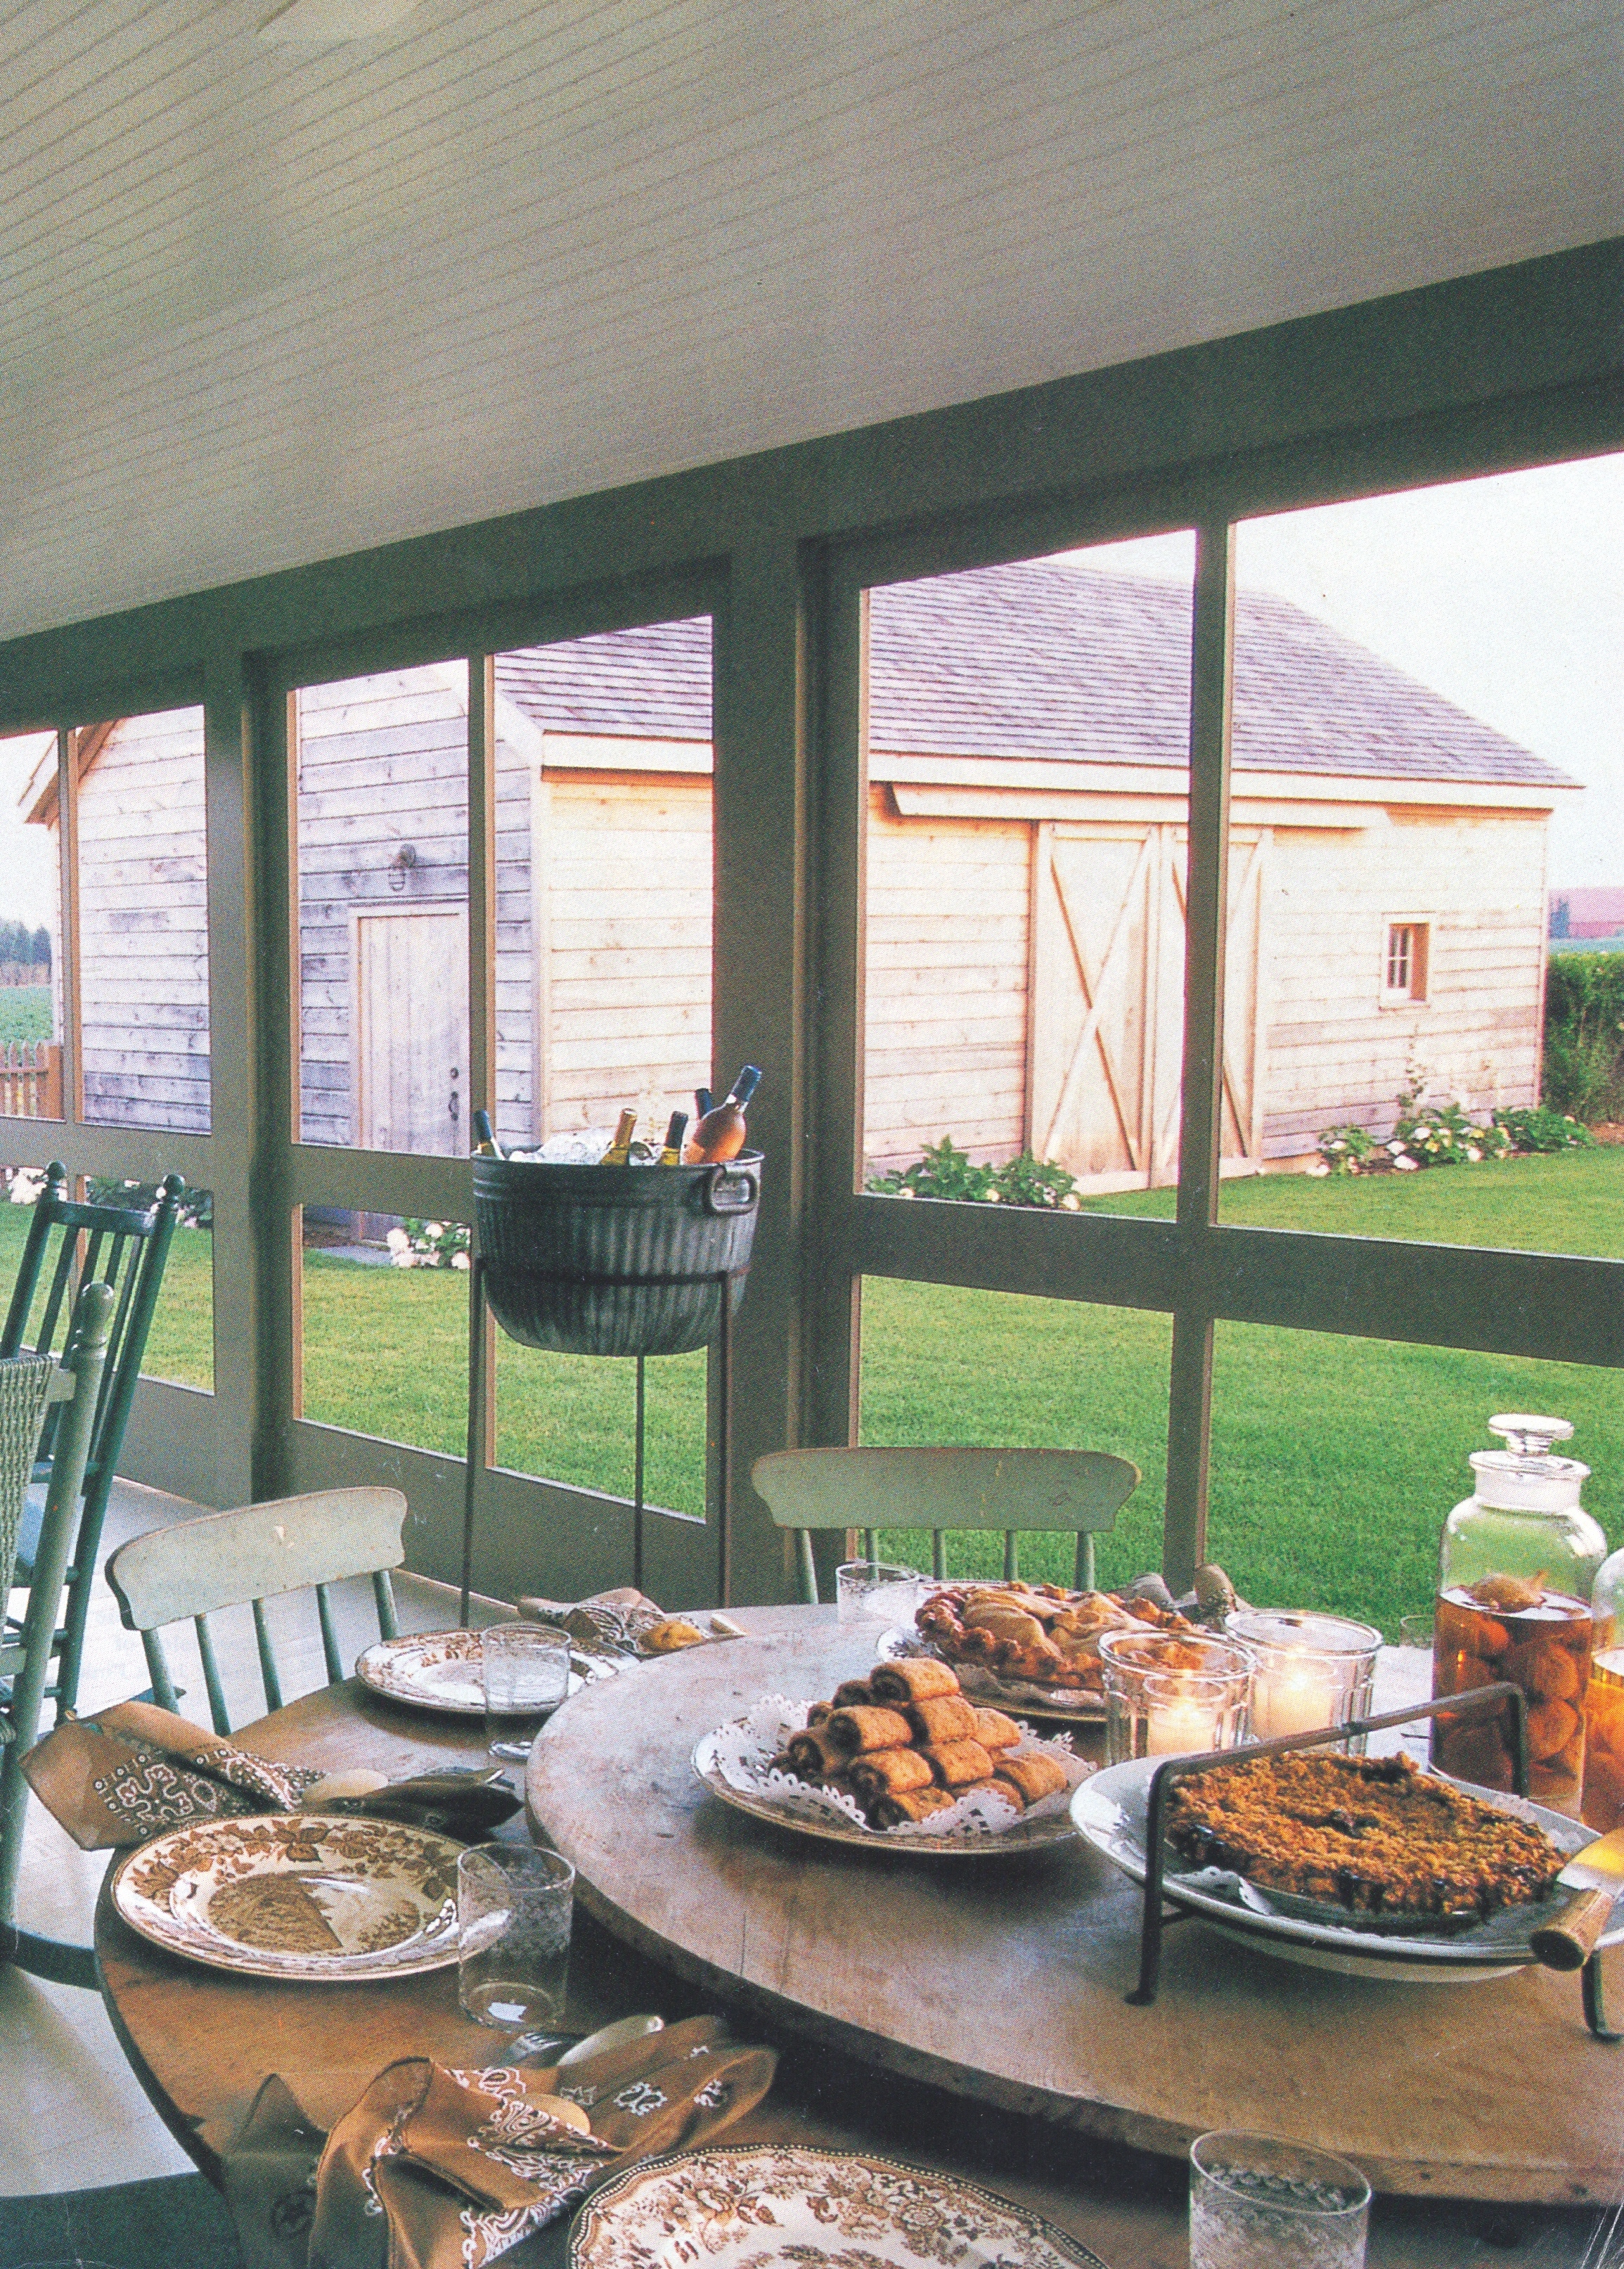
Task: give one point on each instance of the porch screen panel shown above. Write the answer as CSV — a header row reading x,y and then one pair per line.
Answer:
x,y
1426,751
604,901
143,932
944,1366
1028,774
31,957
384,1312
383,897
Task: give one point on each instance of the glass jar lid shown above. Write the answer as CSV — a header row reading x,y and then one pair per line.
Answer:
x,y
1526,1474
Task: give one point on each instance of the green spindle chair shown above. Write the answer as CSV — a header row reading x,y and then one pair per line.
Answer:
x,y
127,1247
256,1553
35,1387
1014,1490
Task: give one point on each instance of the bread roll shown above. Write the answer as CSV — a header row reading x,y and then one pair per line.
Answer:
x,y
995,1732
854,1694
955,1764
913,1804
815,1756
1031,1777
916,1678
943,1718
853,1731
889,1772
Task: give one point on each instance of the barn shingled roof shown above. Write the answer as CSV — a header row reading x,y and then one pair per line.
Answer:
x,y
1048,658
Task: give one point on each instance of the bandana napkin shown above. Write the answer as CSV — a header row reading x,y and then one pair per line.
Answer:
x,y
135,1771
433,2168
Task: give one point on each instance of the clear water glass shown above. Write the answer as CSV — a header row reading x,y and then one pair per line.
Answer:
x,y
515,1909
526,1668
875,1590
1256,2203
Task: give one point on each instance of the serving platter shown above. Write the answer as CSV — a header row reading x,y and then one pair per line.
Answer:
x,y
440,1671
1065,1705
297,1896
806,1817
1111,1811
740,2209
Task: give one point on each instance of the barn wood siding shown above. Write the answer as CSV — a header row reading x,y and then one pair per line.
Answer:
x,y
1334,1052
947,950
143,938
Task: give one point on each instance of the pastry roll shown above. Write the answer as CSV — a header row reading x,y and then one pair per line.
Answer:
x,y
851,1732
819,1712
995,1732
854,1694
889,1772
913,1804
955,1764
1031,1777
916,1678
943,1718
814,1756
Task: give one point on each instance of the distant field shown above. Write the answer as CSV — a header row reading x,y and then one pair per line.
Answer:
x,y
25,1013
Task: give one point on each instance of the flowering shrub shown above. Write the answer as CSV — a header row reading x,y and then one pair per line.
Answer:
x,y
1442,1135
1544,1130
429,1245
1345,1151
944,1172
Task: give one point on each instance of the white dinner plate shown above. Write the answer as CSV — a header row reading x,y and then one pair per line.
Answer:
x,y
297,1896
742,2209
1111,1811
440,1671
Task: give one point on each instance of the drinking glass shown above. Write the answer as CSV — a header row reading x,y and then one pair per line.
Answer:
x,y
874,1590
1259,2204
527,1675
513,1912
1169,1696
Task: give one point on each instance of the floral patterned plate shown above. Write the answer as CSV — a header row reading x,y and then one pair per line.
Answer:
x,y
297,1896
819,2209
436,1670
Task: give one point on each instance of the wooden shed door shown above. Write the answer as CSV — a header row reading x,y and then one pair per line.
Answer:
x,y
412,1030
1106,1022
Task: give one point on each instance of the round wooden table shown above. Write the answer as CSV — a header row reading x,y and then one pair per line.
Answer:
x,y
1004,1979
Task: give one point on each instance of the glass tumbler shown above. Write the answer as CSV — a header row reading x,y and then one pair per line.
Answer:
x,y
874,1590
526,1668
1259,2204
1172,1696
515,1908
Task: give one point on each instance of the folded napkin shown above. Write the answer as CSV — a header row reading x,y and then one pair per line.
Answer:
x,y
432,2168
134,1770
608,1623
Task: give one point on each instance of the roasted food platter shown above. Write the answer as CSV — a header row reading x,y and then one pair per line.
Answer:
x,y
1110,1812
1029,1647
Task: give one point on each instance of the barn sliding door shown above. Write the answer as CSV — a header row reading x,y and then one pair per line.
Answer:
x,y
1105,1030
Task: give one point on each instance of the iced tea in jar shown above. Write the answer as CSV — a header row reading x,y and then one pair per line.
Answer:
x,y
1515,1576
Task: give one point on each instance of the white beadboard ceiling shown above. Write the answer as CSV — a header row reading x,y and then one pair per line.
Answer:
x,y
260,303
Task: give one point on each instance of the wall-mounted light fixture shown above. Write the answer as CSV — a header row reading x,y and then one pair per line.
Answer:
x,y
402,864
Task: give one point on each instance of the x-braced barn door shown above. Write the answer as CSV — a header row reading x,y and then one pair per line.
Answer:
x,y
1105,1022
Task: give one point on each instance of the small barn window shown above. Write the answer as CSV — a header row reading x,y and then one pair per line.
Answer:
x,y
1404,967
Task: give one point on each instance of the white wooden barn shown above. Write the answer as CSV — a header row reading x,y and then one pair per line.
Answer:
x,y
1027,730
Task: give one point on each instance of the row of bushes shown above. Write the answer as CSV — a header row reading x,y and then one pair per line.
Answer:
x,y
1584,1035
1446,1135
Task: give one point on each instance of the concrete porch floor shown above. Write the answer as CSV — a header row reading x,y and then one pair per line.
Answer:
x,y
72,2116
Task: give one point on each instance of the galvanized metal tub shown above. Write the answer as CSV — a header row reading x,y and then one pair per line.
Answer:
x,y
613,1260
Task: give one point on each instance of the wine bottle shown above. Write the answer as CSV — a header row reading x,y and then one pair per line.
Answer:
x,y
619,1151
719,1134
672,1155
704,1101
485,1144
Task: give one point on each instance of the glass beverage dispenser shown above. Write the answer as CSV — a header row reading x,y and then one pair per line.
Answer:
x,y
1515,1575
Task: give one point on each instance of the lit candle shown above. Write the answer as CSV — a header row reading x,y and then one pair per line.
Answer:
x,y
1185,1724
1293,1697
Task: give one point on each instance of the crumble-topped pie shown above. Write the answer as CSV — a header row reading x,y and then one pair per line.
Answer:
x,y
1370,1834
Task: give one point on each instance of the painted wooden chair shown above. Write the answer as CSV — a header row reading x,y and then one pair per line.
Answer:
x,y
256,1553
68,1245
32,1388
1014,1490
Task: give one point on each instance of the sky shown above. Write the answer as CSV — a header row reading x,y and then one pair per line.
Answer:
x,y
1505,595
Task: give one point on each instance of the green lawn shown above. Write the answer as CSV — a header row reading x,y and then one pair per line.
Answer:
x,y
25,1013
1335,1460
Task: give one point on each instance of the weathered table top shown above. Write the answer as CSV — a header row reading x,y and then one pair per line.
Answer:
x,y
1003,1980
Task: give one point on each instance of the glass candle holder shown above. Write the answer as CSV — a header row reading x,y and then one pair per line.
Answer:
x,y
1171,1696
876,1591
1311,1670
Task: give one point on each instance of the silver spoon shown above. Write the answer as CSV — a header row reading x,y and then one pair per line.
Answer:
x,y
533,2047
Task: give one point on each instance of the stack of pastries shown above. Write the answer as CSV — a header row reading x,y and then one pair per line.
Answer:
x,y
905,1742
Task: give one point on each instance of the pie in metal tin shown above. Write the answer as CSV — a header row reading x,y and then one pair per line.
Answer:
x,y
747,2209
297,1896
1111,1811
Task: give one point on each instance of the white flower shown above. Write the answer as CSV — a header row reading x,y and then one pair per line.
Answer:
x,y
1395,1149
458,1260
1072,1203
27,1184
1407,1165
398,1242
1318,1169
906,1192
993,1198
1473,1153
433,1230
403,1259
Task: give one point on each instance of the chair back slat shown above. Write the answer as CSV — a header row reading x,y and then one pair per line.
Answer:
x,y
329,1636
383,1594
1012,1491
217,1710
269,1678
157,1670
